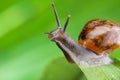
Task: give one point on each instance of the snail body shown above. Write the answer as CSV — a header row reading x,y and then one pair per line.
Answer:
x,y
93,46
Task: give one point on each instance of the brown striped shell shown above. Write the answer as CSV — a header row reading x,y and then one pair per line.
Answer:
x,y
100,36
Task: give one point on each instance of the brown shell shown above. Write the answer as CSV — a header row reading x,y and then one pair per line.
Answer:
x,y
100,36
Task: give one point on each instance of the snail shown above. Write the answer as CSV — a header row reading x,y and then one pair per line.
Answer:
x,y
96,41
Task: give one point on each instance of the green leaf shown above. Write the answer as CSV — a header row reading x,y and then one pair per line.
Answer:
x,y
104,72
60,69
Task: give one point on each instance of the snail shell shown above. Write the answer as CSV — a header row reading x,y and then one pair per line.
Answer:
x,y
100,36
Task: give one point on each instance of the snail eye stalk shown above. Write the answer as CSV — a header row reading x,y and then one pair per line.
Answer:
x,y
66,23
56,16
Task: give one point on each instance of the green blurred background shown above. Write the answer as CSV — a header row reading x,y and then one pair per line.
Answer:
x,y
25,51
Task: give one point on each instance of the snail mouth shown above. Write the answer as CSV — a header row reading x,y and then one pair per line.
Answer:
x,y
52,38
